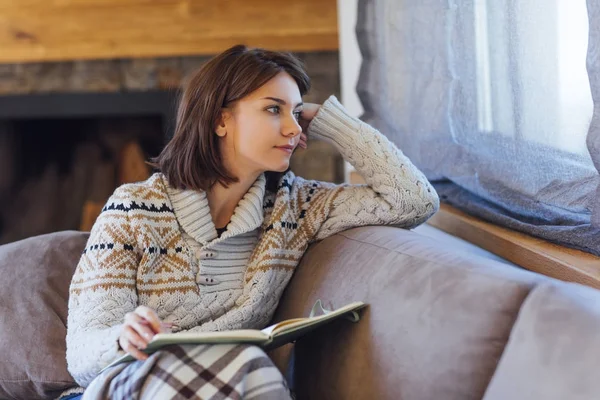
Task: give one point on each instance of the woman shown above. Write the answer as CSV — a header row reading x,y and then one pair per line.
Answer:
x,y
210,242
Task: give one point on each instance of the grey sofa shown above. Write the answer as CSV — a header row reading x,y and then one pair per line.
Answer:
x,y
441,324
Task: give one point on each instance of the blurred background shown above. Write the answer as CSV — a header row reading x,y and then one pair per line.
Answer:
x,y
88,92
493,101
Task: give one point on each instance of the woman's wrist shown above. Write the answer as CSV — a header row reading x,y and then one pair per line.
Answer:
x,y
333,123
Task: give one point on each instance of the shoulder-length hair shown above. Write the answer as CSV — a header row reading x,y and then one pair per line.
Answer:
x,y
192,158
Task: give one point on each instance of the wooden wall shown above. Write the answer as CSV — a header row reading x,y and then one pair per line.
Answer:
x,y
58,30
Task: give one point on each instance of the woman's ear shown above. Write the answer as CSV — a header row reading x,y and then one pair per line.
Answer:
x,y
223,122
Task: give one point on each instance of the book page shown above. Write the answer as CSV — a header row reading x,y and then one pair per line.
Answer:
x,y
292,324
235,336
270,329
290,330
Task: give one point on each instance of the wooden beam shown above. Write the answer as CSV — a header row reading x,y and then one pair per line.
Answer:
x,y
59,30
527,251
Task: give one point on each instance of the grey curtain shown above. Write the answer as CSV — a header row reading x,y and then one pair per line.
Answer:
x,y
498,102
593,67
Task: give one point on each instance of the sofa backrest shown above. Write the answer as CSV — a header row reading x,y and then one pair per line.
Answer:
x,y
437,323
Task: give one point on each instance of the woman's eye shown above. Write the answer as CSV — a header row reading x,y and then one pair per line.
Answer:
x,y
277,110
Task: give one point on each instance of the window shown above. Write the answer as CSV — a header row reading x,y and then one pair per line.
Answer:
x,y
532,82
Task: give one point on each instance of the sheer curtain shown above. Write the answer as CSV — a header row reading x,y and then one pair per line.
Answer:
x,y
497,102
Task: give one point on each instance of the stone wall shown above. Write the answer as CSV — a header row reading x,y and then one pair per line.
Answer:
x,y
319,161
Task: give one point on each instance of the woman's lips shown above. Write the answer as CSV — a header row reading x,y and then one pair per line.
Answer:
x,y
288,150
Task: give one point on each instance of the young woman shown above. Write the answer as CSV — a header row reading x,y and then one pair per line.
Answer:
x,y
210,242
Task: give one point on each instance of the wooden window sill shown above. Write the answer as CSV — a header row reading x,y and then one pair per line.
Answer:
x,y
526,251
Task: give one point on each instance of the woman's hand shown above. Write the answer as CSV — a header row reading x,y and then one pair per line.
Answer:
x,y
309,110
139,328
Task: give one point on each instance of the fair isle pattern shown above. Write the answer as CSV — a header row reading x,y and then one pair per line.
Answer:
x,y
164,264
157,246
289,232
163,267
135,244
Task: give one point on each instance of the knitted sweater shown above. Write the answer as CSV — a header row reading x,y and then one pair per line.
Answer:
x,y
157,246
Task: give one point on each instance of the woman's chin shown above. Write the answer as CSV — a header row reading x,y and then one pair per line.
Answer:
x,y
280,168
283,169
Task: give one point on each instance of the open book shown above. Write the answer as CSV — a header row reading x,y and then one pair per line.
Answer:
x,y
269,338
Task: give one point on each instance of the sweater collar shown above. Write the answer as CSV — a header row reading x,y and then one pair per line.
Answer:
x,y
193,213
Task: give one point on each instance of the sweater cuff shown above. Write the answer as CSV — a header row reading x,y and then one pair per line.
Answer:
x,y
109,342
333,123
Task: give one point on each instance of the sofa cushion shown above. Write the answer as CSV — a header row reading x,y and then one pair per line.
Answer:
x,y
34,289
554,348
435,328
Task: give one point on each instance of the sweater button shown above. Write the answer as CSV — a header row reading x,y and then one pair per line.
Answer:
x,y
208,280
206,254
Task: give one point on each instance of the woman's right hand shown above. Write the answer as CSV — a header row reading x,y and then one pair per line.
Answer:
x,y
138,330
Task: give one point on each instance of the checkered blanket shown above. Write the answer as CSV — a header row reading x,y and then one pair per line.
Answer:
x,y
193,372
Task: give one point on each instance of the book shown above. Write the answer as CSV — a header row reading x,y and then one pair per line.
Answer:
x,y
268,338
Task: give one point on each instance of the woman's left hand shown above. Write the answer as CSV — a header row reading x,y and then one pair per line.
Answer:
x,y
309,110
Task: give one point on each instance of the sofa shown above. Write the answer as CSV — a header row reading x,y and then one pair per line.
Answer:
x,y
441,323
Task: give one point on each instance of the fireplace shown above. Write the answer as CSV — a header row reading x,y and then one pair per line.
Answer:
x,y
62,155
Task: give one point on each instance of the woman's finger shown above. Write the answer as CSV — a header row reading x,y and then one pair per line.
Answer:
x,y
143,329
149,315
303,140
137,354
132,343
132,336
140,325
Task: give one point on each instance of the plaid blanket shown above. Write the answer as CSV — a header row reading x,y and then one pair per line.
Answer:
x,y
193,372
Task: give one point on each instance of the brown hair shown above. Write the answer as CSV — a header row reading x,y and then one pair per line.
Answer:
x,y
192,159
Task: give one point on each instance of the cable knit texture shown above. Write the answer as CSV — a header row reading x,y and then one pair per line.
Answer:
x,y
157,246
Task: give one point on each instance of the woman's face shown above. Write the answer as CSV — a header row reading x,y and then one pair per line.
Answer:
x,y
254,130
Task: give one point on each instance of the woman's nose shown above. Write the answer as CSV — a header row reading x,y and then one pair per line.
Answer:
x,y
292,127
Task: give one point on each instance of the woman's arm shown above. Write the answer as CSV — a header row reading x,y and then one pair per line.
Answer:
x,y
397,193
102,291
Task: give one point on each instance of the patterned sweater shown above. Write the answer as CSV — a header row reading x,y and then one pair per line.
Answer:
x,y
157,246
